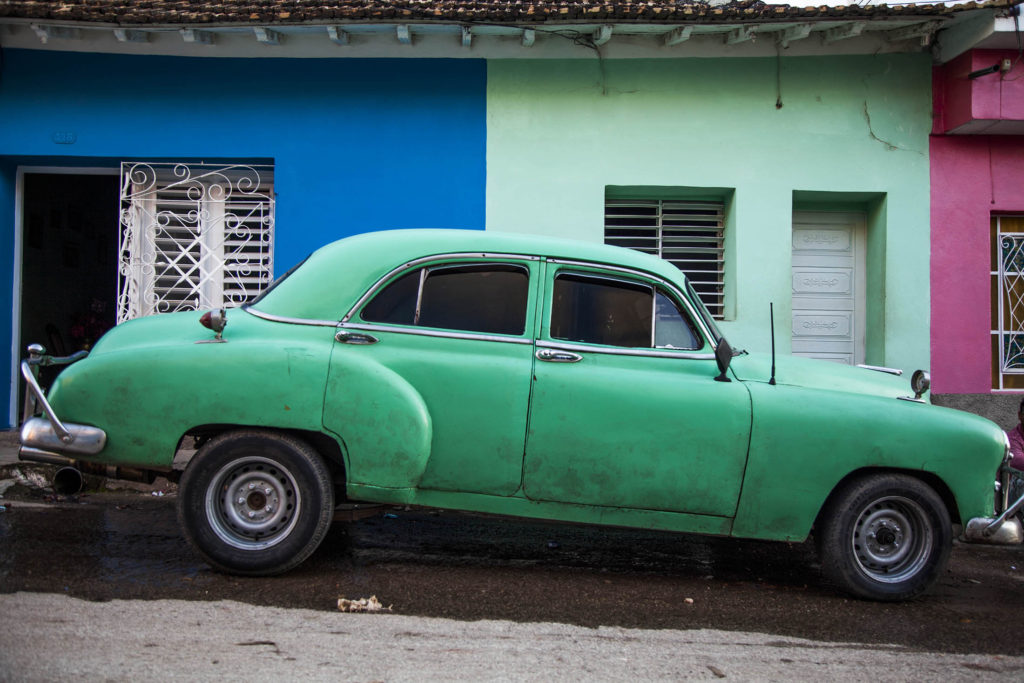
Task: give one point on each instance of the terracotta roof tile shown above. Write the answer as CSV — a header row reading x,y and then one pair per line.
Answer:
x,y
226,12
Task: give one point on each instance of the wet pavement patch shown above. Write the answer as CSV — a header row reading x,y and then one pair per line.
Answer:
x,y
102,546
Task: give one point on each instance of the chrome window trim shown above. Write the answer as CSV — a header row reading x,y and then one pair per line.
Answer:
x,y
671,287
623,351
419,296
291,321
433,332
427,259
879,368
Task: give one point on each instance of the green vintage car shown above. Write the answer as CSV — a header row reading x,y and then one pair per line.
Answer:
x,y
519,376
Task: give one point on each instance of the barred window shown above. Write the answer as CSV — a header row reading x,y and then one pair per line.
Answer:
x,y
193,236
1007,277
687,234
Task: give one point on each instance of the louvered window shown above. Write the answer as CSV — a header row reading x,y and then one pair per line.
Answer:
x,y
193,236
688,234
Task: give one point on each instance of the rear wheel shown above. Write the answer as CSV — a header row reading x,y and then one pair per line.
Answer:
x,y
885,537
255,502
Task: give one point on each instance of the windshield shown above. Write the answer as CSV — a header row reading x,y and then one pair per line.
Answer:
x,y
705,316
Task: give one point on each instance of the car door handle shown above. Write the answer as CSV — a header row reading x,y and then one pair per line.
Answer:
x,y
355,338
553,356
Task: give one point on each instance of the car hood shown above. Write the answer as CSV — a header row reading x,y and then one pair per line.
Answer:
x,y
819,374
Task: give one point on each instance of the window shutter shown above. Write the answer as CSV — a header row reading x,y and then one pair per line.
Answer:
x,y
687,234
193,236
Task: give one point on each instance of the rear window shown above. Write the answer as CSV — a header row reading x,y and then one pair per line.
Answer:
x,y
486,298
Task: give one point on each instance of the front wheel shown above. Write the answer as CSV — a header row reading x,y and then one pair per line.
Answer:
x,y
255,503
885,537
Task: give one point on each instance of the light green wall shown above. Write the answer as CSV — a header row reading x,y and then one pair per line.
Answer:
x,y
560,132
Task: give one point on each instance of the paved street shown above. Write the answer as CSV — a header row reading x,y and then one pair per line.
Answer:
x,y
54,636
104,585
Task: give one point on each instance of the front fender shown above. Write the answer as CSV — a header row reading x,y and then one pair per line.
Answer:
x,y
805,441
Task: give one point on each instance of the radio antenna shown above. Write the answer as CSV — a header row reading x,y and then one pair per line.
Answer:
x,y
771,315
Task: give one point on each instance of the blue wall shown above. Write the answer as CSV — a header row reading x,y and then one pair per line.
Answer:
x,y
357,144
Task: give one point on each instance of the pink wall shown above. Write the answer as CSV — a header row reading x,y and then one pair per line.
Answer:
x,y
985,100
972,177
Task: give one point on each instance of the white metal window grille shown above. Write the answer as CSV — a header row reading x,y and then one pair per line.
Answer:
x,y
193,236
1008,317
687,234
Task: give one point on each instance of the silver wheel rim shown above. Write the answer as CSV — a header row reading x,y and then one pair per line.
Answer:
x,y
253,503
892,539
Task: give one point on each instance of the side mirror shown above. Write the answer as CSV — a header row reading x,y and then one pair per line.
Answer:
x,y
723,355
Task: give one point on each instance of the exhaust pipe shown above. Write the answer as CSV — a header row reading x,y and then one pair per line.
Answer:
x,y
68,481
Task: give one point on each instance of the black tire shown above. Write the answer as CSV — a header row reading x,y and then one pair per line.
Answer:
x,y
885,537
255,503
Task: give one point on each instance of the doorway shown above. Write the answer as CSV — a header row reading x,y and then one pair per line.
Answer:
x,y
829,286
68,260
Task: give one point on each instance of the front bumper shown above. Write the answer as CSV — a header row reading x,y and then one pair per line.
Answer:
x,y
997,531
1006,528
40,436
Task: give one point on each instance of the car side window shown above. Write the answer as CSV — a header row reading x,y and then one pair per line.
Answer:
x,y
672,327
614,312
486,298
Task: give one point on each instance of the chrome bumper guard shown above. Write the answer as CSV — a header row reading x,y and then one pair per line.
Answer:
x,y
48,439
1005,529
39,434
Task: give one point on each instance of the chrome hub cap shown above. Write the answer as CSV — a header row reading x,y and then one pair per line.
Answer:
x,y
252,503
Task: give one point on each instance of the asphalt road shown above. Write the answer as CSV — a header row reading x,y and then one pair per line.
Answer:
x,y
481,587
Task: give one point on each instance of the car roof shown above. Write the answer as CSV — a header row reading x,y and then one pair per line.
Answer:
x,y
330,281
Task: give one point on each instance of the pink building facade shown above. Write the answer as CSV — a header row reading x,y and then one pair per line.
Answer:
x,y
977,233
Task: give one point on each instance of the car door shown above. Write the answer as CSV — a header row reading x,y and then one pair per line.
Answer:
x,y
452,340
625,409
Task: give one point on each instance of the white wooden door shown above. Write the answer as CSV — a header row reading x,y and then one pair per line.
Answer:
x,y
828,286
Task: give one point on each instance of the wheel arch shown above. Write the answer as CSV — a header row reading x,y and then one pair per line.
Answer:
x,y
330,448
930,479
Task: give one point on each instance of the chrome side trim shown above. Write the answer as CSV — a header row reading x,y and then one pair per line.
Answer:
x,y
425,332
879,368
613,351
911,399
427,259
679,294
291,321
40,434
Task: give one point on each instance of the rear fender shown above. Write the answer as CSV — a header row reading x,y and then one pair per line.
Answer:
x,y
382,419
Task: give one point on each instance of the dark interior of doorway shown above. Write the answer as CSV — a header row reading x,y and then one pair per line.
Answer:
x,y
69,260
